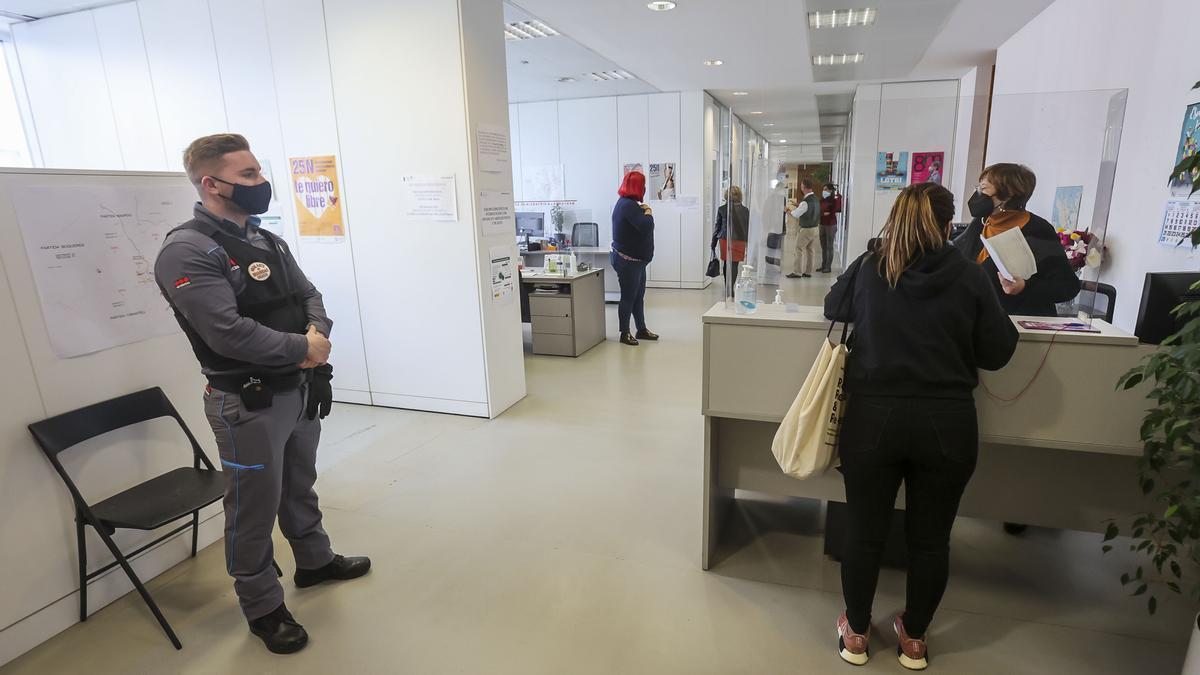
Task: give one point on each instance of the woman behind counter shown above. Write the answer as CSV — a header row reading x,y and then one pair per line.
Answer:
x,y
632,250
730,233
998,206
925,320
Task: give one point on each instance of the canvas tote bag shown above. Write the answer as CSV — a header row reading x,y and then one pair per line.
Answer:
x,y
806,442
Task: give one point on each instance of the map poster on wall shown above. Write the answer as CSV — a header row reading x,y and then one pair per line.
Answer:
x,y
927,167
504,281
91,250
1067,199
1189,144
662,182
318,198
891,171
543,183
1181,217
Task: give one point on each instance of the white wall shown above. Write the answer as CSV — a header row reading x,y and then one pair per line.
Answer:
x,y
895,117
594,138
1058,52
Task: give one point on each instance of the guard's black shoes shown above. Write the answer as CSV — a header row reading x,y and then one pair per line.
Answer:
x,y
627,339
646,335
279,631
340,568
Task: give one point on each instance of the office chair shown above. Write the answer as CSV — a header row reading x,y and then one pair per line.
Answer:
x,y
1109,307
147,506
585,234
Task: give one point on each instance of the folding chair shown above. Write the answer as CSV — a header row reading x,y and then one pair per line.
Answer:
x,y
147,506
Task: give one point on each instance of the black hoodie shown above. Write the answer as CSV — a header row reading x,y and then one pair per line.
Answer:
x,y
928,336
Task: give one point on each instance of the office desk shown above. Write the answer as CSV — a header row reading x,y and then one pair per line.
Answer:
x,y
596,256
569,321
1062,455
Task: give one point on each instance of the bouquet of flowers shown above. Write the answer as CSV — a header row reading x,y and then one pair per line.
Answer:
x,y
1081,247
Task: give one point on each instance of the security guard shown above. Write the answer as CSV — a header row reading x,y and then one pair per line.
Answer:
x,y
259,330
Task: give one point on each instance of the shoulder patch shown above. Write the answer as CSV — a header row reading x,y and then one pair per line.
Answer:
x,y
182,282
233,265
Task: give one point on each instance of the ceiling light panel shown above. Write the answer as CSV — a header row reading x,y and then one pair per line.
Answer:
x,y
837,59
610,75
528,30
714,62
660,6
841,18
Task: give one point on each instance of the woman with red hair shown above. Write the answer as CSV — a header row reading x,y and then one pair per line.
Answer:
x,y
632,251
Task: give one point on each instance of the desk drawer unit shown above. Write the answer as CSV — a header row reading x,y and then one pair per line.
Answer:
x,y
556,305
554,345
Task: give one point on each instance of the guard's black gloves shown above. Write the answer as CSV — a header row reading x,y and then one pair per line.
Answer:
x,y
320,391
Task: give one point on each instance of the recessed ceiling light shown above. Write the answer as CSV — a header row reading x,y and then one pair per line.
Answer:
x,y
755,112
768,124
566,79
661,6
714,62
783,140
837,59
741,93
609,75
526,30
841,18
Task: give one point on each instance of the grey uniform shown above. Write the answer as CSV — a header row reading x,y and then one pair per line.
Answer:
x,y
268,455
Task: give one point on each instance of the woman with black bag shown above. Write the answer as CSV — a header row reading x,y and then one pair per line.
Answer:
x,y
925,320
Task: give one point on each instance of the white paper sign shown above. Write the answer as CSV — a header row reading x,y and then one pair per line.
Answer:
x,y
491,141
503,274
496,213
428,198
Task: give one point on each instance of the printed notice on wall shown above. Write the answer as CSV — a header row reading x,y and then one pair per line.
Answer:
x,y
504,281
318,199
428,198
491,141
496,213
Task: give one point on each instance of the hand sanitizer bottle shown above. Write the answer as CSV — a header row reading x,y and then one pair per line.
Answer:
x,y
745,292
779,296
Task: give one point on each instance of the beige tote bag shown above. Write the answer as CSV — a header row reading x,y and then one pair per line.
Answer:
x,y
806,442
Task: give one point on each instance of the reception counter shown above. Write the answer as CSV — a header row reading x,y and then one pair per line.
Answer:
x,y
1058,442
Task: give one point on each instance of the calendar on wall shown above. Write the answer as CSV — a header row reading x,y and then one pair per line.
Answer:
x,y
1181,217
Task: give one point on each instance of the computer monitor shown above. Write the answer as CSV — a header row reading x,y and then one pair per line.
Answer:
x,y
531,223
1163,292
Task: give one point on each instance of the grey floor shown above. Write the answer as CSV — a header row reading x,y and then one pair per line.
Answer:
x,y
564,537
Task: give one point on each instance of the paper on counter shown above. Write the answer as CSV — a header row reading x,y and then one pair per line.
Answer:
x,y
1012,254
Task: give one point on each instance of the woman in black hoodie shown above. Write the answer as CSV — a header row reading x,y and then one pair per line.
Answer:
x,y
999,205
925,320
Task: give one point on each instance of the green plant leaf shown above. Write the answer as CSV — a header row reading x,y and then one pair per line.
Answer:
x,y
1174,587
1176,570
1133,380
1171,510
1141,590
1105,548
1111,532
1125,579
1152,605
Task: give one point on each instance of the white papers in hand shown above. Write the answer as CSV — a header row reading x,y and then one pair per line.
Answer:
x,y
1012,254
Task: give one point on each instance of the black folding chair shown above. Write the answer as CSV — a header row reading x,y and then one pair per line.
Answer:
x,y
148,506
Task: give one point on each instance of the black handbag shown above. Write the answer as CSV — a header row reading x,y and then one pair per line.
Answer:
x,y
714,268
774,240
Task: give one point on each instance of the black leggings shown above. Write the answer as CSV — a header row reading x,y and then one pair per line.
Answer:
x,y
931,446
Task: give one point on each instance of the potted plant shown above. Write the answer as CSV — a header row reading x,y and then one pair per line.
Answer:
x,y
1168,538
556,217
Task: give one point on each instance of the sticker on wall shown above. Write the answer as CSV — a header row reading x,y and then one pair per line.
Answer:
x,y
927,167
1067,199
503,275
891,171
1189,145
662,182
318,199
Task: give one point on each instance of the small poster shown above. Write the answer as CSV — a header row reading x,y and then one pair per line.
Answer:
x,y
318,198
491,141
927,167
636,166
428,198
662,182
543,183
1181,217
1189,144
504,280
891,171
1067,199
496,213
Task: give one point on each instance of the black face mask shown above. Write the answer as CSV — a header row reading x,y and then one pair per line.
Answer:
x,y
980,205
253,199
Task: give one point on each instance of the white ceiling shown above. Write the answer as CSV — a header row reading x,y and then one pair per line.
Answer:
x,y
40,9
767,48
535,67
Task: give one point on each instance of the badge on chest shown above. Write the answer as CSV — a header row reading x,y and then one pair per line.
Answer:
x,y
259,271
